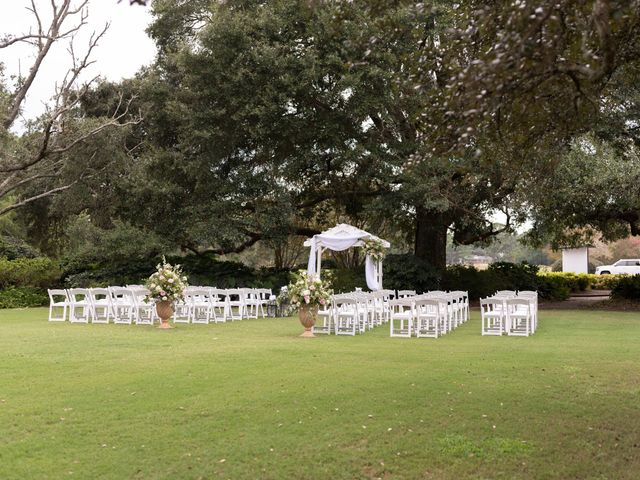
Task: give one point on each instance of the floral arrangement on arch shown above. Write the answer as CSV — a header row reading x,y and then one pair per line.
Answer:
x,y
375,248
166,284
308,290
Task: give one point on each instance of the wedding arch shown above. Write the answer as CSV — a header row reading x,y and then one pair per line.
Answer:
x,y
341,237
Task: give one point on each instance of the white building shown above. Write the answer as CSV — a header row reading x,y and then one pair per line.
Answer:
x,y
575,260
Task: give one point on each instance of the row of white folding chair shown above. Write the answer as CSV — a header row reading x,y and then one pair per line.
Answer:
x,y
101,305
207,304
510,312
425,316
457,308
355,312
428,315
127,305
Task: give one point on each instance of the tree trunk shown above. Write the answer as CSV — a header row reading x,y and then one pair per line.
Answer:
x,y
431,237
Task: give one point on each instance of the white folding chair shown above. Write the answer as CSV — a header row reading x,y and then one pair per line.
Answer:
x,y
181,311
101,305
346,316
122,305
251,302
264,295
402,310
519,318
406,293
532,296
236,304
219,305
447,323
380,306
493,316
144,312
58,299
505,293
366,311
327,315
199,301
459,306
464,299
80,308
430,315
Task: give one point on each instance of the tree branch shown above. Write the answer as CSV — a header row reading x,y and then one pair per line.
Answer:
x,y
26,201
44,44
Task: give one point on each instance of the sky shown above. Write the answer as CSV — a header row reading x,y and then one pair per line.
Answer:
x,y
123,50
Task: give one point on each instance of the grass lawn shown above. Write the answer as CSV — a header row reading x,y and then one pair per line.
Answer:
x,y
252,400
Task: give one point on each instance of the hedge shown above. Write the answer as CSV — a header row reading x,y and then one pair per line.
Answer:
x,y
23,280
627,287
40,272
22,297
579,282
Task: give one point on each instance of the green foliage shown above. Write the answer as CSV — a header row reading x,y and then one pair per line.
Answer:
x,y
99,275
347,280
594,193
38,272
121,254
499,276
505,276
521,276
627,287
575,282
202,269
479,283
553,288
578,282
507,247
120,244
22,297
206,270
408,272
13,248
603,282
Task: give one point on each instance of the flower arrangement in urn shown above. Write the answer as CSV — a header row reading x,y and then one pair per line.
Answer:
x,y
374,248
166,285
307,293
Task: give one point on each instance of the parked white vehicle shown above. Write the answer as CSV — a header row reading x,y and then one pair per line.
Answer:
x,y
630,266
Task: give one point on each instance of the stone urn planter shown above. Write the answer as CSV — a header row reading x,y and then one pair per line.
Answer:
x,y
307,314
164,310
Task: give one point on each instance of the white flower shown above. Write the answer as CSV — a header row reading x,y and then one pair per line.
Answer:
x,y
306,293
164,298
170,280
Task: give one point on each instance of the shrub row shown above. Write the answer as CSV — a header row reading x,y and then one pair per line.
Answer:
x,y
201,270
23,280
579,282
408,272
40,272
627,287
21,297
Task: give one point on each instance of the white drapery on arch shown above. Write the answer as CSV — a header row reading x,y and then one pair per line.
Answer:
x,y
339,238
